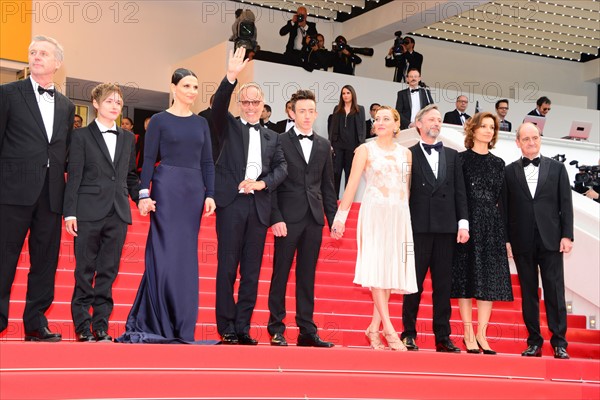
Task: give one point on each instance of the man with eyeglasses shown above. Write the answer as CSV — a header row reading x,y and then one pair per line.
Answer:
x,y
502,110
458,116
250,167
542,107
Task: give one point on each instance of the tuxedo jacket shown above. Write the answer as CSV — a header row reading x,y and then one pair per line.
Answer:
x,y
453,117
309,183
368,127
95,183
292,29
436,205
25,149
270,125
550,210
535,113
280,126
404,104
230,167
214,138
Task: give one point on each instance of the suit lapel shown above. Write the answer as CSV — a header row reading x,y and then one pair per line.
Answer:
x,y
263,143
542,175
31,101
97,135
424,165
296,142
442,166
59,107
120,145
409,98
245,132
520,175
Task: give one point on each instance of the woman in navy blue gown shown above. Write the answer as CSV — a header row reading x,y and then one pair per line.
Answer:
x,y
166,306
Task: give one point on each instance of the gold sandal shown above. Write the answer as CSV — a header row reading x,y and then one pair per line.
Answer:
x,y
374,340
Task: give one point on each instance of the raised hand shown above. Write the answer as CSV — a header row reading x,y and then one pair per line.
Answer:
x,y
236,63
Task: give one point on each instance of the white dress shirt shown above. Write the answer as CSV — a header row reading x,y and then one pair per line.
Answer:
x,y
254,162
109,138
531,176
289,124
46,104
415,101
306,145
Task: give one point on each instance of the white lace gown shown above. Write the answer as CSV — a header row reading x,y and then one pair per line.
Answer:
x,y
385,258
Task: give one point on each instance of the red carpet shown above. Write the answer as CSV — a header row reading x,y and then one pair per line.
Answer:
x,y
350,370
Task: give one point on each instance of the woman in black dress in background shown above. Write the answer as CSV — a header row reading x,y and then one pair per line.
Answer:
x,y
480,268
347,131
166,306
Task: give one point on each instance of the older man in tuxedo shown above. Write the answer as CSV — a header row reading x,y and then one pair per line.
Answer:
x,y
412,99
35,127
538,212
458,116
250,167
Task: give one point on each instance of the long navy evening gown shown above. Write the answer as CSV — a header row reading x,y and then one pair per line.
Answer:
x,y
166,306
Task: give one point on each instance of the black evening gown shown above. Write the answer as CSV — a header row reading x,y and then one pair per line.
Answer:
x,y
480,268
166,306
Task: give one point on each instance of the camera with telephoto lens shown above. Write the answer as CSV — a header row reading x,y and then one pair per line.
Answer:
x,y
340,46
587,177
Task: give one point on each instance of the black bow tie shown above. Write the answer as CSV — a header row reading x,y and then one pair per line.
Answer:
x,y
437,147
414,90
255,126
111,131
41,91
463,115
291,120
527,161
309,137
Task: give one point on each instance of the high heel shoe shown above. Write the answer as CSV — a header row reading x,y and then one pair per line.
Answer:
x,y
488,351
374,340
470,351
394,342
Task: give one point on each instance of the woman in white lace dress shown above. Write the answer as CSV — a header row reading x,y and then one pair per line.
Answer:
x,y
385,261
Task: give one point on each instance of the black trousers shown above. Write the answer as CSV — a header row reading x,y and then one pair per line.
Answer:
x,y
433,251
44,243
241,238
342,162
303,240
98,248
551,269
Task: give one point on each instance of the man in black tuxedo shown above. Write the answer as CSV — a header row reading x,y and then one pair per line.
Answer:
x,y
502,111
369,123
297,221
101,173
538,212
214,138
285,124
458,116
409,59
265,117
299,29
250,167
412,99
438,211
543,106
35,128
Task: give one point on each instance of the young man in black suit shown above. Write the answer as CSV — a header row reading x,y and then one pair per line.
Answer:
x,y
101,173
250,167
458,116
538,212
412,99
438,212
297,220
35,128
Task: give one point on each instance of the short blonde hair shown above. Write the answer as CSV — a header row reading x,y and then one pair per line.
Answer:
x,y
245,86
103,90
59,52
395,115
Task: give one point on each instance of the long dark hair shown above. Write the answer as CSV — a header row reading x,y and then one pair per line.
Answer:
x,y
340,107
181,73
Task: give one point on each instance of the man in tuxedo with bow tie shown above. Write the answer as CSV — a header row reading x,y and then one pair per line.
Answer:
x,y
249,169
538,214
458,116
288,123
411,100
101,175
35,128
297,220
438,211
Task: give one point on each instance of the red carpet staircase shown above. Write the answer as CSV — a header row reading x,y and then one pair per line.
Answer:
x,y
350,370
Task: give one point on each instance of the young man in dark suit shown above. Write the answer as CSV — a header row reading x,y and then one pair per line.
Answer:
x,y
297,221
412,99
101,173
250,167
502,111
35,128
458,116
438,212
538,212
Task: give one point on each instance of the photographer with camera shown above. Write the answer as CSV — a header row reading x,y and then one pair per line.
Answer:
x,y
403,57
315,55
587,180
298,28
244,31
344,58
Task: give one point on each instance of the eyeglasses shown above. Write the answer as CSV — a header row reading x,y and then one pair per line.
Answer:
x,y
546,109
254,103
462,101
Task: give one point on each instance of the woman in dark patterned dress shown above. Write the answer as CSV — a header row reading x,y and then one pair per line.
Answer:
x,y
480,270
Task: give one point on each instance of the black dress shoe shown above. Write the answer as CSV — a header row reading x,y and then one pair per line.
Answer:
x,y
102,336
229,338
488,351
312,340
532,351
446,346
561,352
42,335
410,344
85,337
246,339
471,351
278,340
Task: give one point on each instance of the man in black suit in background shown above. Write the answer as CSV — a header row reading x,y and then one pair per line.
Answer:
x,y
369,123
265,118
438,211
297,220
102,172
409,59
250,167
412,99
543,106
214,138
538,212
299,29
35,128
502,111
285,124
458,116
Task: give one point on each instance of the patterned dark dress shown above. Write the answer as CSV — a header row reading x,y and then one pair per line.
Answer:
x,y
480,268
